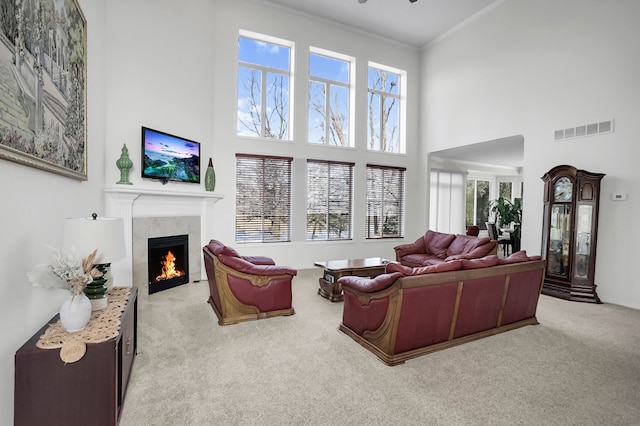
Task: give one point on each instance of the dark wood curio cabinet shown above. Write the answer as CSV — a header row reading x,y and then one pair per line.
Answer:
x,y
569,233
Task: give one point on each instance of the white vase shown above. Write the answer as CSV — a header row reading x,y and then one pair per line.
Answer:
x,y
75,312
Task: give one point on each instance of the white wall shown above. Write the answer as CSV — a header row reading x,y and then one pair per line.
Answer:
x,y
531,68
34,206
175,70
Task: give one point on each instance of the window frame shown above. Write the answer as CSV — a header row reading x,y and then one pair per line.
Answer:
x,y
490,191
265,71
401,96
328,82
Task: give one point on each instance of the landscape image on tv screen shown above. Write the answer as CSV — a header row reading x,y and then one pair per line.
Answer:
x,y
168,157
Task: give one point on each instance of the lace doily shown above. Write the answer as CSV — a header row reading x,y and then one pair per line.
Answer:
x,y
103,325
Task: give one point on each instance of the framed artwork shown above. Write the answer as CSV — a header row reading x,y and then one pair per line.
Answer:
x,y
43,53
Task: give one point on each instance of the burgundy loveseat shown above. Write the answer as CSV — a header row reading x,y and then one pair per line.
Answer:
x,y
408,312
244,288
438,247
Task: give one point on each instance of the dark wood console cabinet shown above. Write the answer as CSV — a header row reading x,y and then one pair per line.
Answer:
x,y
569,233
89,391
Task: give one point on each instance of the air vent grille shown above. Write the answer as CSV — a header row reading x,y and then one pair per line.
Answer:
x,y
584,130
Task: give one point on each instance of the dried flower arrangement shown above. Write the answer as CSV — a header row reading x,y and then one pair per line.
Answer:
x,y
66,271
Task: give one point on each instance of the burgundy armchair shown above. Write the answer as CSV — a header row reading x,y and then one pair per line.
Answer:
x,y
244,288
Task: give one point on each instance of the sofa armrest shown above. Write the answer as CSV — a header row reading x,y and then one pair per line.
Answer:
x,y
416,247
242,265
369,285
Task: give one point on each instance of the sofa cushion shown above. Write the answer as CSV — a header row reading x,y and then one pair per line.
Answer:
x,y
519,256
229,251
241,265
398,267
437,243
429,269
483,262
259,260
431,260
215,247
415,260
465,244
441,267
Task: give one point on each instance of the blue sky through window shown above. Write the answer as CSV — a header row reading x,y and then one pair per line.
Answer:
x,y
263,53
263,89
329,68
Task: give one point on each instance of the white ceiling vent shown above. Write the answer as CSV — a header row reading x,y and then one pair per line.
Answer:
x,y
584,130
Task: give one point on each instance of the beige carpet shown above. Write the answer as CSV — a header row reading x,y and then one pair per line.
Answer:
x,y
580,366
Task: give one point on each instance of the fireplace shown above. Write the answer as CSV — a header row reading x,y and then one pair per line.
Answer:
x,y
168,262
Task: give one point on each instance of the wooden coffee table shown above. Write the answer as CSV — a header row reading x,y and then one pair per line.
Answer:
x,y
331,289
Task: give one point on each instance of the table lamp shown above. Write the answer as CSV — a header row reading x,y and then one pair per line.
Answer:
x,y
85,234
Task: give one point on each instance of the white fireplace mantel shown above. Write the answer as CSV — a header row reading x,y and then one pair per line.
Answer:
x,y
128,202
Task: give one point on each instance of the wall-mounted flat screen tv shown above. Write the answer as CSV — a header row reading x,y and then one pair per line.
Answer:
x,y
167,157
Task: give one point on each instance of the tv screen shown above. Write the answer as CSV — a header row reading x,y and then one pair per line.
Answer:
x,y
167,157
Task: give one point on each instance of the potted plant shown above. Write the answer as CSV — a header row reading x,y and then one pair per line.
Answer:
x,y
506,212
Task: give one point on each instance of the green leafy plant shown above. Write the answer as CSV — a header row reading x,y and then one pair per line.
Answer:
x,y
505,212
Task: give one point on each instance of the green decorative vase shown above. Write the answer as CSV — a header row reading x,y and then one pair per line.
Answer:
x,y
210,177
124,164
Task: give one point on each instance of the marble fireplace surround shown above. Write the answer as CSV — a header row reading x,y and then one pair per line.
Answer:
x,y
152,227
157,211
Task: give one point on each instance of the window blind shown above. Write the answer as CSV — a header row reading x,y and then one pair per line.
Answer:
x,y
385,201
263,198
329,200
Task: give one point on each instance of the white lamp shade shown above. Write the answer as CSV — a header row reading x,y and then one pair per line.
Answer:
x,y
83,235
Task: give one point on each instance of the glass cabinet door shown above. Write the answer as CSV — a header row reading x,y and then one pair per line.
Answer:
x,y
569,234
583,240
559,240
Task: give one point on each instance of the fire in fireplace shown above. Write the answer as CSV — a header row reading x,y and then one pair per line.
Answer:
x,y
168,261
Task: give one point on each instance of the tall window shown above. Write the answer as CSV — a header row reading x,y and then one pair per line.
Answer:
x,y
263,199
329,94
329,200
384,108
505,190
385,201
264,86
446,201
477,202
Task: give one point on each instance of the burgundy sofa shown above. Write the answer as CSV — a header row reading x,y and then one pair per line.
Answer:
x,y
409,312
244,288
437,247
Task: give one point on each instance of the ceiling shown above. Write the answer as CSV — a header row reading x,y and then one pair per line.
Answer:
x,y
414,24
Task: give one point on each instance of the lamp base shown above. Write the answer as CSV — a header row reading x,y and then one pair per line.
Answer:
x,y
99,304
97,290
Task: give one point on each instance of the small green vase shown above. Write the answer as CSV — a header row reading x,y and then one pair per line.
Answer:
x,y
210,177
124,164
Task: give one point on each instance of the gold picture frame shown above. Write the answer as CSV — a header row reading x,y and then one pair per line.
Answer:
x,y
43,54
